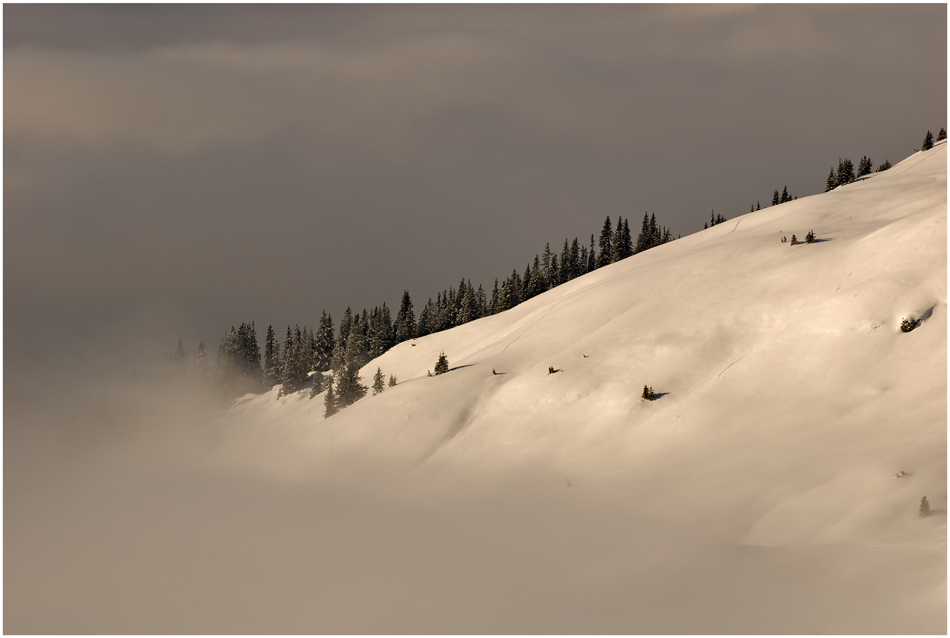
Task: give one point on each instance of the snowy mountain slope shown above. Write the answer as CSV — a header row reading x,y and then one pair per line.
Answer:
x,y
790,397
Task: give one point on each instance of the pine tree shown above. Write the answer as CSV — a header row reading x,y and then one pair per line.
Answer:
x,y
272,367
329,401
575,268
591,256
794,240
349,387
883,167
924,507
928,142
810,237
626,243
392,380
495,300
845,172
405,319
758,206
941,134
606,236
775,200
378,381
294,375
832,182
643,239
325,343
442,365
864,166
784,198
546,266
556,276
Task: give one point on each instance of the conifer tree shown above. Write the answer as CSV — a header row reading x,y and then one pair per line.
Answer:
x,y
556,277
325,343
591,256
775,200
425,320
349,388
536,286
883,167
442,365
378,382
644,241
294,375
392,380
924,507
626,241
329,401
758,206
482,302
784,198
864,166
928,142
941,134
606,237
832,182
272,367
845,172
546,267
405,319
574,257
468,310
494,305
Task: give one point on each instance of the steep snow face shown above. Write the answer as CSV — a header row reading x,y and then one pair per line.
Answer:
x,y
788,401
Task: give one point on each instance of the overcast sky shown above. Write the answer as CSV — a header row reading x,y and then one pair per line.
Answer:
x,y
173,170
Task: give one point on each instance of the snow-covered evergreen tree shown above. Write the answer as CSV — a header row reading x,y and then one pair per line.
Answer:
x,y
272,367
864,166
378,382
832,182
405,319
329,401
606,248
442,365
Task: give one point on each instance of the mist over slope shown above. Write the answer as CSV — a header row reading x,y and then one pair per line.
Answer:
x,y
756,494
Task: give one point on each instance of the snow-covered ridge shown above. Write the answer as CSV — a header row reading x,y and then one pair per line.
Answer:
x,y
789,400
784,354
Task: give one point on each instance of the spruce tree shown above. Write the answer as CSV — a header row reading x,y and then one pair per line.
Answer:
x,y
928,142
845,172
785,197
392,380
758,206
864,166
643,239
574,257
378,382
349,388
405,319
495,300
546,267
606,236
941,134
883,167
832,182
272,368
924,507
329,401
442,365
626,241
318,383
591,256
775,200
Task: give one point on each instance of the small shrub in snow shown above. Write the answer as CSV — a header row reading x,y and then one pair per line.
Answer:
x,y
648,393
810,237
550,369
883,167
909,324
794,240
924,507
442,365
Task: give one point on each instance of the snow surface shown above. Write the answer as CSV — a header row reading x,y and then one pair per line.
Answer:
x,y
757,494
789,401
